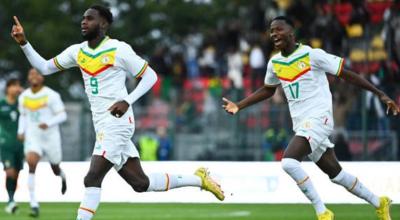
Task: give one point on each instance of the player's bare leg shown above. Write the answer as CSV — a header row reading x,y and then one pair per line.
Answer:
x,y
296,151
134,175
99,167
11,185
59,172
330,165
32,159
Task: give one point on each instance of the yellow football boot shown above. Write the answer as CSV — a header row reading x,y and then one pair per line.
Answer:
x,y
383,212
207,183
327,215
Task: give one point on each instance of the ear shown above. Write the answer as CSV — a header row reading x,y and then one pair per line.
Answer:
x,y
104,24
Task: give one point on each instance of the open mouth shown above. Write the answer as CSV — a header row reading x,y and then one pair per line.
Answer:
x,y
84,29
277,42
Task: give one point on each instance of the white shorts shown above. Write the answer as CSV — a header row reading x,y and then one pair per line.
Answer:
x,y
317,131
113,141
48,146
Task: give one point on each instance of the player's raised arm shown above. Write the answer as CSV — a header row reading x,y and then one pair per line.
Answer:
x,y
355,79
259,95
45,67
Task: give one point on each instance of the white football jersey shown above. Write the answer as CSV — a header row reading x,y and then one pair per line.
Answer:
x,y
38,108
302,75
104,71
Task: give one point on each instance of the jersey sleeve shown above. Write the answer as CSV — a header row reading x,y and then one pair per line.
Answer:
x,y
56,103
270,78
67,58
131,62
21,108
327,62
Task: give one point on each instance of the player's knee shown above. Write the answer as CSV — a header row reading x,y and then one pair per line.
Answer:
x,y
92,180
289,164
140,185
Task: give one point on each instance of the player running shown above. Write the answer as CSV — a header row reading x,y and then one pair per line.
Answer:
x,y
105,64
12,150
300,70
42,110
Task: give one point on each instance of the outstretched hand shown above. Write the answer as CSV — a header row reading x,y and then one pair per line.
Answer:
x,y
119,108
17,32
390,104
230,106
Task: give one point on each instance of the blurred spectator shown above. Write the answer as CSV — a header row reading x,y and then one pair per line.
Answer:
x,y
257,65
274,144
148,147
165,145
235,68
373,103
342,147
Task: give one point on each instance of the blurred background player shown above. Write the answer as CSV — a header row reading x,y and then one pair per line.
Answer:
x,y
42,110
104,64
300,70
12,150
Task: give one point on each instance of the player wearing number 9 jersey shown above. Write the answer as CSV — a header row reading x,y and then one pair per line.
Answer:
x,y
105,63
301,71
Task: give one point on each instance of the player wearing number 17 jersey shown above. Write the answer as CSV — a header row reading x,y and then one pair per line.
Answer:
x,y
301,71
105,63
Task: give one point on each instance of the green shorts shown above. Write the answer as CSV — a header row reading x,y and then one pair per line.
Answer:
x,y
13,158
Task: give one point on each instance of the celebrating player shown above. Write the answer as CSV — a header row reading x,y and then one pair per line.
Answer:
x,y
300,70
12,150
41,112
105,64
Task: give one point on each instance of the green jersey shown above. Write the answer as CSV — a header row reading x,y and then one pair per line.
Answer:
x,y
8,125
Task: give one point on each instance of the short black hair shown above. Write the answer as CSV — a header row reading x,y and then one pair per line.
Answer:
x,y
104,12
285,19
12,81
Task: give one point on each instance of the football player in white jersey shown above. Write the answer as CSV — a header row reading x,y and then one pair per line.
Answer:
x,y
300,70
105,63
41,111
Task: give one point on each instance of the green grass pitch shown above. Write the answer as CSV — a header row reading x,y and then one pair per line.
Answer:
x,y
131,211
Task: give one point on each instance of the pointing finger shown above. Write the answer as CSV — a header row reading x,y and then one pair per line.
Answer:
x,y
17,21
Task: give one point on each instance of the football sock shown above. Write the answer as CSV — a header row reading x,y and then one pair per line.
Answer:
x,y
31,187
165,181
89,204
353,185
11,185
62,174
293,168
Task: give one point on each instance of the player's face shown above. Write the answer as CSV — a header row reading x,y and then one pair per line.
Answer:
x,y
281,34
35,78
91,24
14,90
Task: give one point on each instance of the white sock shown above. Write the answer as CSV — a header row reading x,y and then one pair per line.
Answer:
x,y
293,168
31,188
89,204
165,181
62,174
353,185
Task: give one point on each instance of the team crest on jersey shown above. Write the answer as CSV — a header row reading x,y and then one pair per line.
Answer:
x,y
105,59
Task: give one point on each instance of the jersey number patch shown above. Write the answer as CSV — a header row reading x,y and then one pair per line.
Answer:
x,y
94,85
294,90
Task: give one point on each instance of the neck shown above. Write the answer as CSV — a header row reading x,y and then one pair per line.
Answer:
x,y
289,49
36,89
11,99
96,41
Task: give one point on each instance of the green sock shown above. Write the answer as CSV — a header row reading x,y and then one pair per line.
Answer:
x,y
11,186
